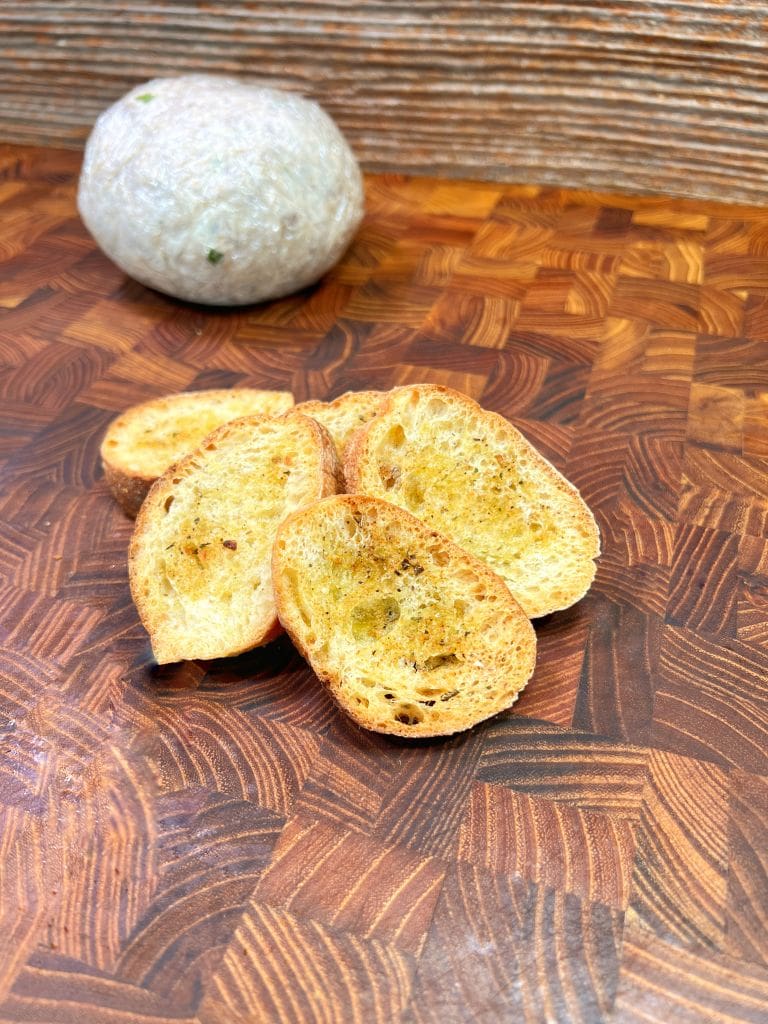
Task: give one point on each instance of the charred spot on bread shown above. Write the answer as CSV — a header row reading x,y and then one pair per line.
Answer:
x,y
406,628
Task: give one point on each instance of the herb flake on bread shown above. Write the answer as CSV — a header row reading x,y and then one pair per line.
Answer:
x,y
474,477
142,442
412,635
200,557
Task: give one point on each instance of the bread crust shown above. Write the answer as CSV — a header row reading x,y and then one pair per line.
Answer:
x,y
121,453
128,490
447,645
344,416
563,500
176,644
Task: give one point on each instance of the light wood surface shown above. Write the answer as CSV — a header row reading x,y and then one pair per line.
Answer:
x,y
664,96
214,843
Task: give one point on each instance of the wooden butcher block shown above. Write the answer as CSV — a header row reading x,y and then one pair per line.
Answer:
x,y
215,842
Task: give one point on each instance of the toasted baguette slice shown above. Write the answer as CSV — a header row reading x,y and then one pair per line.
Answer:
x,y
199,561
146,439
344,415
413,635
471,475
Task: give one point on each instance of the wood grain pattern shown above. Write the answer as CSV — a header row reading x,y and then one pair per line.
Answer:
x,y
581,769
660,96
548,842
661,982
22,908
214,842
679,886
211,852
708,693
391,895
280,967
746,931
534,953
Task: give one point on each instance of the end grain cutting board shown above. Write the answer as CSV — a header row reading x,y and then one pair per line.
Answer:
x,y
213,842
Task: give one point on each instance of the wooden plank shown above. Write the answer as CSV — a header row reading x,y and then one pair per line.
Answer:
x,y
664,96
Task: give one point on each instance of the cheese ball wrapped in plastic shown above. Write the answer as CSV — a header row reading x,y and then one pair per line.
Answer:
x,y
219,191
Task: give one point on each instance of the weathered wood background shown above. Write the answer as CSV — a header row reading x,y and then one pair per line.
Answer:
x,y
214,843
652,95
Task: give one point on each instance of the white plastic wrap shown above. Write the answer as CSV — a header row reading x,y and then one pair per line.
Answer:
x,y
219,191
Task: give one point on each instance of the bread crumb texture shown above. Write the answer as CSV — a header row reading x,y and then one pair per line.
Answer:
x,y
148,438
412,635
345,414
199,561
473,476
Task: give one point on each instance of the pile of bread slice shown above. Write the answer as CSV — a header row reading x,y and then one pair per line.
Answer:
x,y
404,540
